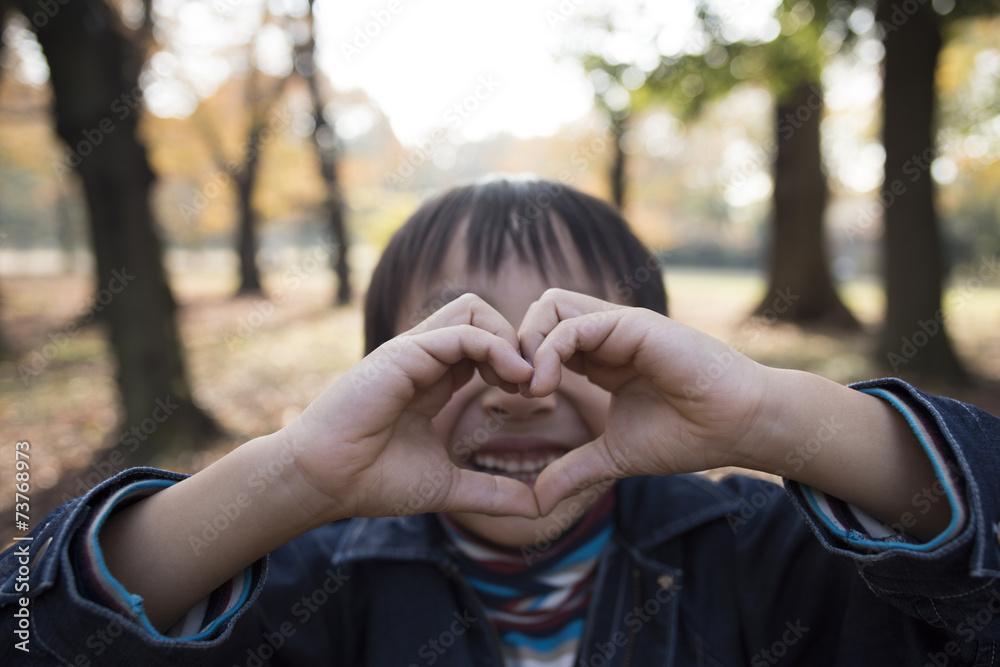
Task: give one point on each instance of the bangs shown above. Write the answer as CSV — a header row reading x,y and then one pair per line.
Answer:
x,y
506,216
499,217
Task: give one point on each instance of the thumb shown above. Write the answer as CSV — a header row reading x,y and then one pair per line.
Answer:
x,y
576,471
494,495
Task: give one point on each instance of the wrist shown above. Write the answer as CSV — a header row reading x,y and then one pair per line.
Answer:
x,y
279,475
775,431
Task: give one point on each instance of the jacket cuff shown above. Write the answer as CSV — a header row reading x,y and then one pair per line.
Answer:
x,y
65,604
950,585
98,584
852,528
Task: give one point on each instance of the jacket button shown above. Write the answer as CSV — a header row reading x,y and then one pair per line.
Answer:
x,y
666,581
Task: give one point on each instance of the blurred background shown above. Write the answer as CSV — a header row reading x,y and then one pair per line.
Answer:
x,y
194,192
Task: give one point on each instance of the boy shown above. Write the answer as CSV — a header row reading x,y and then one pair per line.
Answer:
x,y
495,414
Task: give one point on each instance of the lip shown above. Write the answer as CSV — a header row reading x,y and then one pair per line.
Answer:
x,y
522,445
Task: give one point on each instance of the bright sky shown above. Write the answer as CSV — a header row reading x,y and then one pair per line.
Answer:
x,y
426,63
434,54
422,59
475,68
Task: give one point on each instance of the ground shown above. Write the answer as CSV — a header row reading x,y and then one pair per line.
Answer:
x,y
255,363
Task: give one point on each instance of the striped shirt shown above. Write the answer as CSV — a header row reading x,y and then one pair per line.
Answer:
x,y
536,601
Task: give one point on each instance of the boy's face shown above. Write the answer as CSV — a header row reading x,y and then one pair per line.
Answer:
x,y
489,430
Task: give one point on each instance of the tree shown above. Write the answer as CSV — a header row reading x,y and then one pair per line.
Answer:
x,y
912,247
914,338
324,140
617,175
97,96
612,98
5,347
259,101
789,65
708,67
615,81
798,260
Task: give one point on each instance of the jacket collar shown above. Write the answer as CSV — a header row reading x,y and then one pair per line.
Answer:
x,y
650,511
654,510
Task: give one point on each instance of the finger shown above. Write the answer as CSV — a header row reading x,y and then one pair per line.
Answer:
x,y
490,377
576,471
430,355
404,365
584,333
470,309
494,495
554,306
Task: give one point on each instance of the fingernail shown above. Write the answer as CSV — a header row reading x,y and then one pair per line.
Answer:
x,y
534,382
522,387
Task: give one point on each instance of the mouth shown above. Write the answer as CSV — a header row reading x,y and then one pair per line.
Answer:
x,y
522,460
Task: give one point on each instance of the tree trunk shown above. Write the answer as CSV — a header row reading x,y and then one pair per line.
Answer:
x,y
341,267
328,157
914,339
4,11
617,174
94,74
5,348
259,105
334,204
246,179
800,287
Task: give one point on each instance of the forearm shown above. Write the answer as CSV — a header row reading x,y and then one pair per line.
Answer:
x,y
850,445
178,545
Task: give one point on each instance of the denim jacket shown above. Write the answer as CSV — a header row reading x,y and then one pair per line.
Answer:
x,y
698,572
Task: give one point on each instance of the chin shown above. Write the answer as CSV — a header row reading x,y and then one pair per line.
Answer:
x,y
536,534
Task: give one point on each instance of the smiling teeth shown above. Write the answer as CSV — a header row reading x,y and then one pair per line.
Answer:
x,y
513,466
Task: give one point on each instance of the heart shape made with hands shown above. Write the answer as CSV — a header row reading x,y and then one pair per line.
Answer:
x,y
388,450
661,418
561,330
387,457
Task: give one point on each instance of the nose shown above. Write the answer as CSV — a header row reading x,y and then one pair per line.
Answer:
x,y
502,406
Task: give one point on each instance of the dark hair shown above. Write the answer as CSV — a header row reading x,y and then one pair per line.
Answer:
x,y
519,211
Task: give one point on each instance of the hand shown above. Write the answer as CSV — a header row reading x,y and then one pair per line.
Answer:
x,y
366,445
681,401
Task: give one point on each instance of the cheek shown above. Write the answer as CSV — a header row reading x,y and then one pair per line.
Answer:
x,y
446,420
590,401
